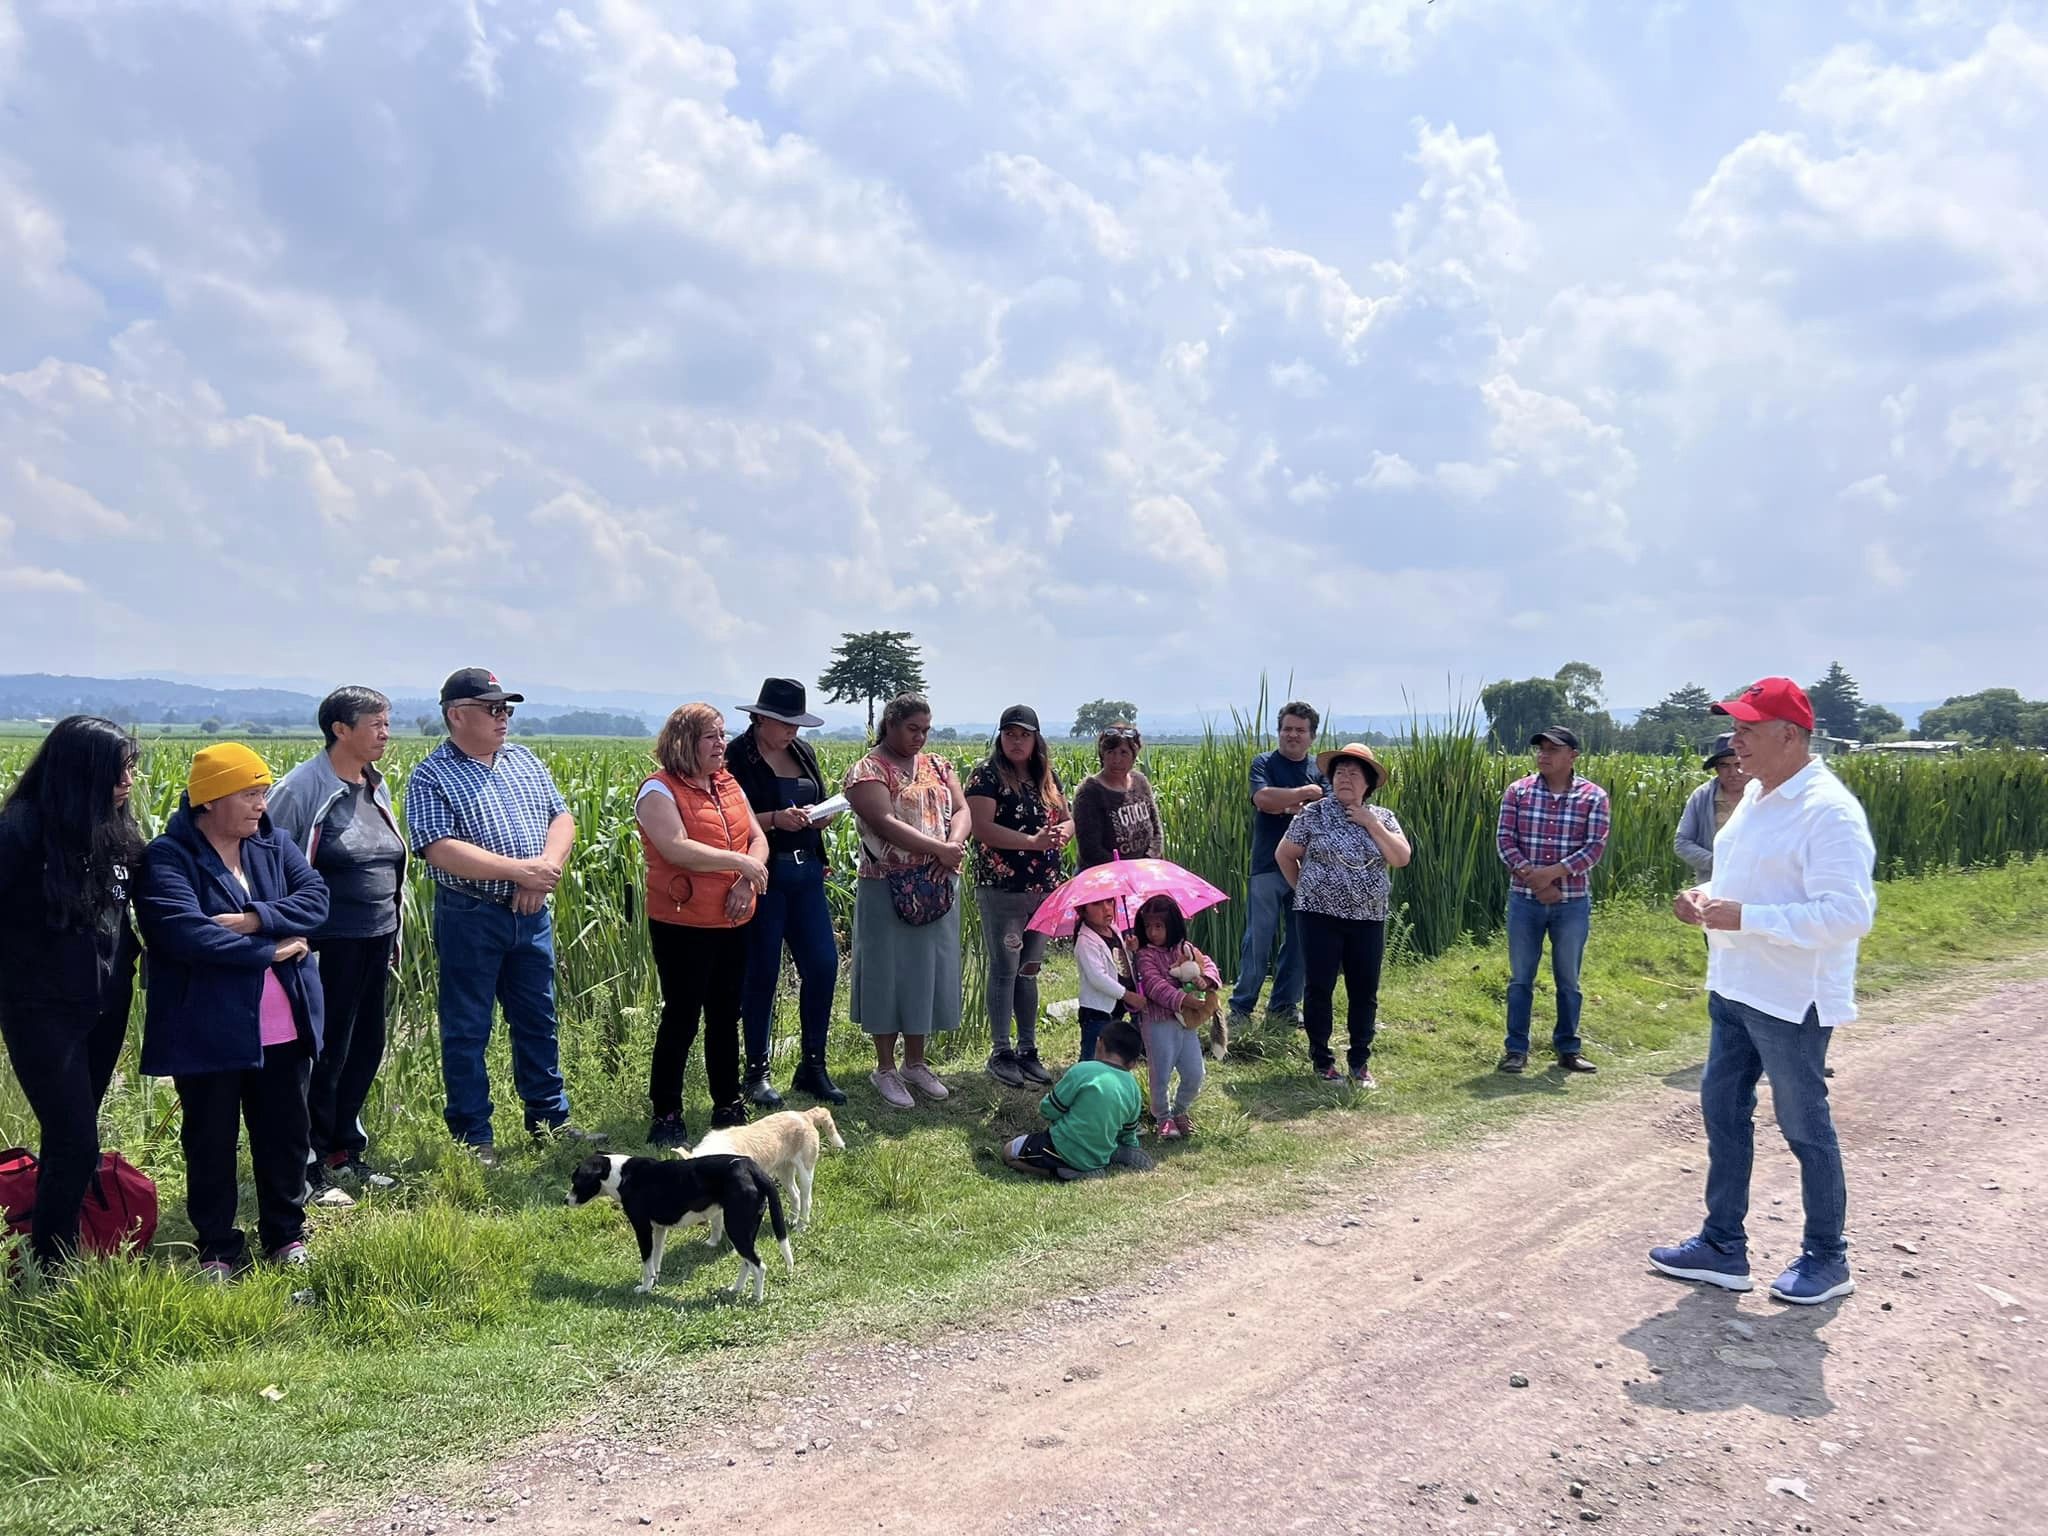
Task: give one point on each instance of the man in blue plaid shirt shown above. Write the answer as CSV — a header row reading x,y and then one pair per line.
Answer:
x,y
496,833
1553,829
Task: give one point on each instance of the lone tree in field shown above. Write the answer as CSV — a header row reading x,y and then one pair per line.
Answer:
x,y
878,664
1093,719
1837,703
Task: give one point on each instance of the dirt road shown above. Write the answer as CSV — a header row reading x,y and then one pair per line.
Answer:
x,y
1354,1368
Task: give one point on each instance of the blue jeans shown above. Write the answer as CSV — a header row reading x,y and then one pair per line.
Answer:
x,y
1092,1020
1746,1044
1269,914
489,953
793,910
1567,923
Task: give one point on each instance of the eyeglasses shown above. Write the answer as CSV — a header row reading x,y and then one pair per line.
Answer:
x,y
495,711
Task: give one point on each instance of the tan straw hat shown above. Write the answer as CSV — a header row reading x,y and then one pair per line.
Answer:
x,y
1358,752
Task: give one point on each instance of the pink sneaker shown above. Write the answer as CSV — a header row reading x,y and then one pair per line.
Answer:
x,y
1184,1123
923,1079
890,1086
1169,1129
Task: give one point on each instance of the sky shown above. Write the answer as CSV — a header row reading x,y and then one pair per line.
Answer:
x,y
1122,350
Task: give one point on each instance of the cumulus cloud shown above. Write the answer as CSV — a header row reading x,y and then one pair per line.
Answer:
x,y
579,335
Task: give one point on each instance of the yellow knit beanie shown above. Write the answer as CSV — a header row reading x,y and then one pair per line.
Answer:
x,y
225,768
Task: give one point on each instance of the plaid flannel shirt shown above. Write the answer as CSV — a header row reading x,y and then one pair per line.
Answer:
x,y
1538,829
504,807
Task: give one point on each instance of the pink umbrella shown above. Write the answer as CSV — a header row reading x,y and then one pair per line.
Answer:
x,y
1133,881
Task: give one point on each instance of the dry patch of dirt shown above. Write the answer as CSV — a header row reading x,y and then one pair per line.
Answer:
x,y
1474,1345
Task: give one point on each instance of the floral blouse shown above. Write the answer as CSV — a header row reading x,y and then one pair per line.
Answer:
x,y
1343,872
1025,870
924,800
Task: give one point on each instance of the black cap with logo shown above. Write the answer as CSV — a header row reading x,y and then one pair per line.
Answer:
x,y
1019,714
480,684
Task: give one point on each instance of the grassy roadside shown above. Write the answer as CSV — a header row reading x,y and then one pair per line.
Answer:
x,y
473,1309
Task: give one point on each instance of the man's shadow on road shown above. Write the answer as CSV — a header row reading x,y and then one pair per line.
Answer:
x,y
1704,1366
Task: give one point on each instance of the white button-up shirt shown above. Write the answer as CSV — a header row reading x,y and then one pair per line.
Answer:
x,y
1799,859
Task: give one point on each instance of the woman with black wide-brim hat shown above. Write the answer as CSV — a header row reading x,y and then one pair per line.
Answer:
x,y
779,773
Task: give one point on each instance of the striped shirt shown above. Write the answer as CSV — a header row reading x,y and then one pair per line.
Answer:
x,y
1539,828
503,807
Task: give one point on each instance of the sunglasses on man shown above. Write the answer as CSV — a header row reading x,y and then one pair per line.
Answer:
x,y
495,711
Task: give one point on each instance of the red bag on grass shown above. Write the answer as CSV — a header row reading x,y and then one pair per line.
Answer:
x,y
119,1210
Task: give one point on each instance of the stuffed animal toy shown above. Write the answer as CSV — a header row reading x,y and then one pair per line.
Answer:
x,y
1200,1004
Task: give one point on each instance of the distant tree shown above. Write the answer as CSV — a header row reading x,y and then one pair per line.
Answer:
x,y
1878,724
873,665
210,726
946,733
1517,711
1989,718
1837,703
1679,722
581,722
1584,687
1093,719
430,725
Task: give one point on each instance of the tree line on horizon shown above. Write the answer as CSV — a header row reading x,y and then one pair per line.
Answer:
x,y
870,667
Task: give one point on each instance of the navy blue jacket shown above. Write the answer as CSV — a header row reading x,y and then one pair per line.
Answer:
x,y
204,983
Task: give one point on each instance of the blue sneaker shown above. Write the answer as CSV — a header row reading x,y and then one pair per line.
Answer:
x,y
1698,1259
1811,1281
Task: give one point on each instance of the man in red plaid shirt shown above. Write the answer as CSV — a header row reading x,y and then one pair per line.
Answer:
x,y
1553,829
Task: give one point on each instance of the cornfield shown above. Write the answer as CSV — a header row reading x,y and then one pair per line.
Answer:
x,y
1982,808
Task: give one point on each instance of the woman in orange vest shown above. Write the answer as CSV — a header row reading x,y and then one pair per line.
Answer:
x,y
707,862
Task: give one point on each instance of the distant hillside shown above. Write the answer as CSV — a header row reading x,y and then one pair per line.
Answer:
x,y
39,696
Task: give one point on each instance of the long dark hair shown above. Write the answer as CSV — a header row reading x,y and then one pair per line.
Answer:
x,y
86,837
1037,774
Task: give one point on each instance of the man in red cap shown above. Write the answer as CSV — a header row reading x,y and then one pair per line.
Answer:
x,y
1789,900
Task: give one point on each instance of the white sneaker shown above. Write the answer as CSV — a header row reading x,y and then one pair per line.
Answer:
x,y
890,1086
924,1080
335,1195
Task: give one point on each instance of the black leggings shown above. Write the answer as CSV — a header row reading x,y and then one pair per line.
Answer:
x,y
353,975
703,976
1355,947
64,1059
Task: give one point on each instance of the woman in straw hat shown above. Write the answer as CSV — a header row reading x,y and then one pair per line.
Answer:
x,y
234,1008
1338,854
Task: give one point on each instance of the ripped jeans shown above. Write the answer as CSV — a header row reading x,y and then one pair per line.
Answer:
x,y
1013,960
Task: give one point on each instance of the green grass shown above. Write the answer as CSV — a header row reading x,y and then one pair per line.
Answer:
x,y
470,1308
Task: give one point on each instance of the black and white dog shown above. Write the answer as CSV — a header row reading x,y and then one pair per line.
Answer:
x,y
659,1194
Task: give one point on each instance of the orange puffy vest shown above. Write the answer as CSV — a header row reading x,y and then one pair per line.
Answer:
x,y
719,819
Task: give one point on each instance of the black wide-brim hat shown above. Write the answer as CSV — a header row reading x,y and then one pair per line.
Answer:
x,y
782,698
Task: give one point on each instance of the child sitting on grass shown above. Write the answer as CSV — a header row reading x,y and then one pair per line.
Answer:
x,y
1093,1110
1173,1014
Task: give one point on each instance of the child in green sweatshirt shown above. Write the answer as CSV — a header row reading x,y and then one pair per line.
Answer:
x,y
1093,1110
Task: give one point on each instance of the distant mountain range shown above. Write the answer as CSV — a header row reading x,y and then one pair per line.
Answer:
x,y
184,699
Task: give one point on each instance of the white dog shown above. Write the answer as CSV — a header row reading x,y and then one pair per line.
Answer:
x,y
786,1145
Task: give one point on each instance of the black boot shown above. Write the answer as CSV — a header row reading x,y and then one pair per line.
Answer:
x,y
812,1078
726,1117
758,1089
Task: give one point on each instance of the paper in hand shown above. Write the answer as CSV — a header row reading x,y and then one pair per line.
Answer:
x,y
825,810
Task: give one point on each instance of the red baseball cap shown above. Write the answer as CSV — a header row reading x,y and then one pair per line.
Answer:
x,y
1772,698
